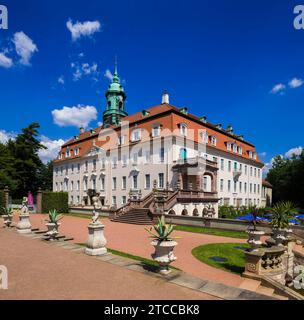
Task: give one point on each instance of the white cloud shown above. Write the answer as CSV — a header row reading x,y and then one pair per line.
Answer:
x,y
25,47
74,116
53,147
83,29
5,61
278,88
294,151
5,136
263,154
295,83
61,79
108,74
84,69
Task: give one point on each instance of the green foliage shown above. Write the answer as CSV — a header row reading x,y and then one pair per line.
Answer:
x,y
54,217
231,212
162,230
20,166
287,178
281,213
7,211
55,201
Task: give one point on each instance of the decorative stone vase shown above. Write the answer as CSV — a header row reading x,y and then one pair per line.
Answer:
x,y
163,254
280,236
7,220
52,230
255,239
298,280
96,240
24,225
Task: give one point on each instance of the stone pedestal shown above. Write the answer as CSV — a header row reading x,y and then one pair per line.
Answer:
x,y
24,225
96,241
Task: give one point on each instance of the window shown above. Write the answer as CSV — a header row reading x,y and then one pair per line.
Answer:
x,y
103,163
78,199
68,153
235,166
258,189
213,140
255,172
78,185
76,151
114,183
229,146
215,159
241,167
250,187
222,185
156,130
136,135
135,182
240,186
161,154
123,200
135,158
254,188
56,186
204,136
229,185
254,156
61,186
94,183
245,187
147,181
61,170
250,154
235,148
56,171
161,180
250,171
86,166
183,129
72,185
78,167
114,161
94,165
124,160
246,169
72,168
66,185
124,183
147,156
183,154
102,183
205,183
85,186
229,166
114,201
235,186
240,150
66,170
121,140
222,164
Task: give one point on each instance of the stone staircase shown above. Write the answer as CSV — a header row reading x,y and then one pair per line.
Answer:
x,y
140,216
256,286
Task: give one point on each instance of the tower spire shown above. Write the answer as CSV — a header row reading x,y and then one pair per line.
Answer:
x,y
115,71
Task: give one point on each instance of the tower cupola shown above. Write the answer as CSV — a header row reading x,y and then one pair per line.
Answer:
x,y
116,97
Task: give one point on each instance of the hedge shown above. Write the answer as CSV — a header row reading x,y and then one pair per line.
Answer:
x,y
2,199
55,200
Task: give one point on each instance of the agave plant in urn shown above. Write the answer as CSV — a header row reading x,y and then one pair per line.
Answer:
x,y
53,224
7,215
163,244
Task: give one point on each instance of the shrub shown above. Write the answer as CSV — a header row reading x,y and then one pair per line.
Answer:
x,y
55,201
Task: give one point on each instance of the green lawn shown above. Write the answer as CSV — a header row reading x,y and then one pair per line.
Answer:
x,y
235,257
215,232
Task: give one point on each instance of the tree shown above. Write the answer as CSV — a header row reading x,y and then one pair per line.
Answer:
x,y
46,177
287,178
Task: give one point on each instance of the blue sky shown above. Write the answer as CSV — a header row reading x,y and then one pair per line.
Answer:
x,y
220,59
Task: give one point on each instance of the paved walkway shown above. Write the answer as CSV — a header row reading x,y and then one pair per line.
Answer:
x,y
134,239
39,270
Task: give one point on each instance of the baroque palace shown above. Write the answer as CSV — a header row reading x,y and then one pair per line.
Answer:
x,y
160,160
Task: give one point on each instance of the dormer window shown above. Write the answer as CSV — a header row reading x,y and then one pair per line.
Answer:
x,y
254,156
240,150
76,151
213,140
68,153
235,148
250,154
136,135
229,146
156,130
183,129
204,136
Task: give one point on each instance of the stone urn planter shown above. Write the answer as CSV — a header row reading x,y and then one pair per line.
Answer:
x,y
255,239
280,236
7,220
163,254
298,281
53,225
163,244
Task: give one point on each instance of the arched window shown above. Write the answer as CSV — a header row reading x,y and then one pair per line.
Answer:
x,y
183,129
109,104
195,213
172,212
184,212
120,105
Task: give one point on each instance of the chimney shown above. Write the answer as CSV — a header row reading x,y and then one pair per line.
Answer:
x,y
165,97
81,129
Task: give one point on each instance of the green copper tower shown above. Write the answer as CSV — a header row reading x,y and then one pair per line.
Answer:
x,y
116,98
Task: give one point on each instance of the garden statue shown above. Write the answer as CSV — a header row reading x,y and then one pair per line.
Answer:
x,y
95,210
96,244
24,225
